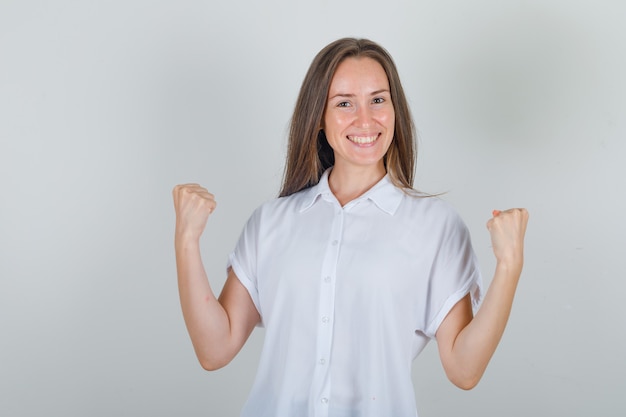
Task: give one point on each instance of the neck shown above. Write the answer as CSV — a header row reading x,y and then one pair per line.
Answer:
x,y
348,184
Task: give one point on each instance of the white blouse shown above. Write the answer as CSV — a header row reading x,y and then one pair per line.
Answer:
x,y
349,296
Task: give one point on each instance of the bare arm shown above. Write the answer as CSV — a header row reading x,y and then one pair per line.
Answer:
x,y
467,343
218,327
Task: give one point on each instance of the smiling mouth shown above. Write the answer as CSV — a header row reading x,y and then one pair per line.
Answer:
x,y
362,140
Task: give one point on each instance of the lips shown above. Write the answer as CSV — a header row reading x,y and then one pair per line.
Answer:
x,y
362,140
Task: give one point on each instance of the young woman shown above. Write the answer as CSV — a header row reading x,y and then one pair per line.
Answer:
x,y
350,271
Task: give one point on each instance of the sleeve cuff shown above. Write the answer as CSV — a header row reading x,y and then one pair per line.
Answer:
x,y
473,287
246,282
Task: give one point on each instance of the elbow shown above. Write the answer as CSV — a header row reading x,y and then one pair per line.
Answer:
x,y
466,384
211,363
212,358
464,378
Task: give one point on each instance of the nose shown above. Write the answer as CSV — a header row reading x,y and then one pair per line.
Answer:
x,y
363,117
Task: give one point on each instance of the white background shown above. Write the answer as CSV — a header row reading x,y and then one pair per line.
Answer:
x,y
106,105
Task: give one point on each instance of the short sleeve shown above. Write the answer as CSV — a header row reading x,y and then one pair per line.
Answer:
x,y
243,259
455,274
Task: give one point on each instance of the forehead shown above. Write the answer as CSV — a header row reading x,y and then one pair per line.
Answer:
x,y
359,72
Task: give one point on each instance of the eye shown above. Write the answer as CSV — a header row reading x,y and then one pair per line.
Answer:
x,y
378,100
343,104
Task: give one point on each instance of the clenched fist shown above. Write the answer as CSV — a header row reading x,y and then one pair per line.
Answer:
x,y
193,205
507,229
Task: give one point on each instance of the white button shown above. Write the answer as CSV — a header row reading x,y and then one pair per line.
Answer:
x,y
335,242
322,361
327,279
324,400
325,319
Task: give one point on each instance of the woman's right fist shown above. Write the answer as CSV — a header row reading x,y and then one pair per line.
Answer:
x,y
193,205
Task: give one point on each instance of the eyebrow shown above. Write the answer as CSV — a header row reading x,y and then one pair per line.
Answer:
x,y
373,93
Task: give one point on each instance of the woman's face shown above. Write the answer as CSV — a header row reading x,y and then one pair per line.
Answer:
x,y
359,118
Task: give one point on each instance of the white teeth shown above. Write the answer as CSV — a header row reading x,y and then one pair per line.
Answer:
x,y
362,139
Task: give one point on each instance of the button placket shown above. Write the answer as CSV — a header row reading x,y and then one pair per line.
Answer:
x,y
321,378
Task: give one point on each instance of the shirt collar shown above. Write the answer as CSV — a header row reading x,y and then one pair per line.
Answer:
x,y
384,194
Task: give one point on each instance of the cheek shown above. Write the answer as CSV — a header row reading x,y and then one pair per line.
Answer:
x,y
391,118
334,125
390,124
387,118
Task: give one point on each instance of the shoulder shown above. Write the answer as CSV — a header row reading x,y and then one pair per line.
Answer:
x,y
280,207
431,216
433,208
